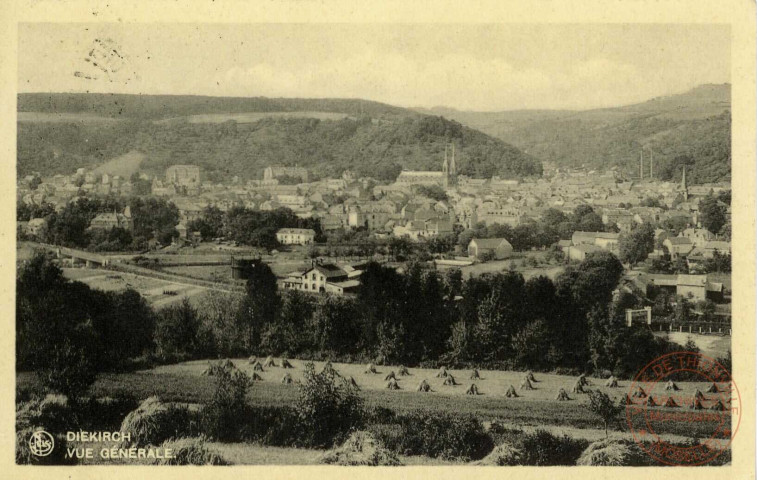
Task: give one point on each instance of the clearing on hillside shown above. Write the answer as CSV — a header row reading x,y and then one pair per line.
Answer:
x,y
125,165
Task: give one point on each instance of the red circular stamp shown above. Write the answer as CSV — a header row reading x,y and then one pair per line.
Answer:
x,y
683,394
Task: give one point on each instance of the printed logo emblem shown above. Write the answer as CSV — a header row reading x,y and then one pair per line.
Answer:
x,y
41,443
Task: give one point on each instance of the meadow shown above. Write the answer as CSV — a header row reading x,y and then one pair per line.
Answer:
x,y
184,383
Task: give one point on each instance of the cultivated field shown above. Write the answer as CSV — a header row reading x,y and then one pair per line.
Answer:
x,y
152,289
492,384
46,117
251,117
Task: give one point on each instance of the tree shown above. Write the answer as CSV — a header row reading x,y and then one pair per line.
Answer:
x,y
713,213
177,331
328,407
635,247
603,406
260,305
220,417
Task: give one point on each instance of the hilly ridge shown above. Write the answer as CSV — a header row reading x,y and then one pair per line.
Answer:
x,y
692,128
374,139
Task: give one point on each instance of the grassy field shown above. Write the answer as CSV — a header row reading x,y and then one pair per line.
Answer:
x,y
711,345
46,117
184,383
251,117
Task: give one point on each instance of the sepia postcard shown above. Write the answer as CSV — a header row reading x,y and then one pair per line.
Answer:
x,y
297,238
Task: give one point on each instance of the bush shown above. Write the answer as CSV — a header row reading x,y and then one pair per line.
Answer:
x,y
106,413
613,452
543,448
361,448
437,434
328,407
53,414
190,451
154,422
220,417
275,426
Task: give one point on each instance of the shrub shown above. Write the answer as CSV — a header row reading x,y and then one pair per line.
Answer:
x,y
276,426
53,414
106,413
437,434
361,448
604,407
220,417
613,452
190,451
543,448
154,422
328,407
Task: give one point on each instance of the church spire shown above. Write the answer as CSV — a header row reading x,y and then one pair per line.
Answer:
x,y
445,165
452,166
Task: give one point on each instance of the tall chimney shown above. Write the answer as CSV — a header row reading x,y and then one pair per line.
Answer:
x,y
641,164
651,164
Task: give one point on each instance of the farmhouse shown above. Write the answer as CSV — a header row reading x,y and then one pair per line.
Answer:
x,y
500,248
110,220
678,246
604,240
579,252
696,287
323,279
295,236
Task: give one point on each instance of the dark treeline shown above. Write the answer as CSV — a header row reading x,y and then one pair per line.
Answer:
x,y
250,227
155,219
419,317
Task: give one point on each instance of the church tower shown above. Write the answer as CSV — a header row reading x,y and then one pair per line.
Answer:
x,y
445,165
684,187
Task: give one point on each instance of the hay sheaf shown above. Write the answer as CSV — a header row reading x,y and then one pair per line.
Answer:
x,y
190,451
613,453
503,455
154,422
361,448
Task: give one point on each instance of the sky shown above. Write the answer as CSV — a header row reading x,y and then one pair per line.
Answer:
x,y
467,67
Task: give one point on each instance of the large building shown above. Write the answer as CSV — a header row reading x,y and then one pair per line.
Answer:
x,y
295,236
447,178
323,279
183,175
276,171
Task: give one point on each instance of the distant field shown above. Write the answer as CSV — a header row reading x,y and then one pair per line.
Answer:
x,y
711,345
499,266
152,289
254,117
124,165
43,117
204,272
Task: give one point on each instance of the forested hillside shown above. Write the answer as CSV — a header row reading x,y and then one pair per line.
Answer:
x,y
692,128
378,141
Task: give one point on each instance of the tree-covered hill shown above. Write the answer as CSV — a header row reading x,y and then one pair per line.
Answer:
x,y
695,124
376,140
